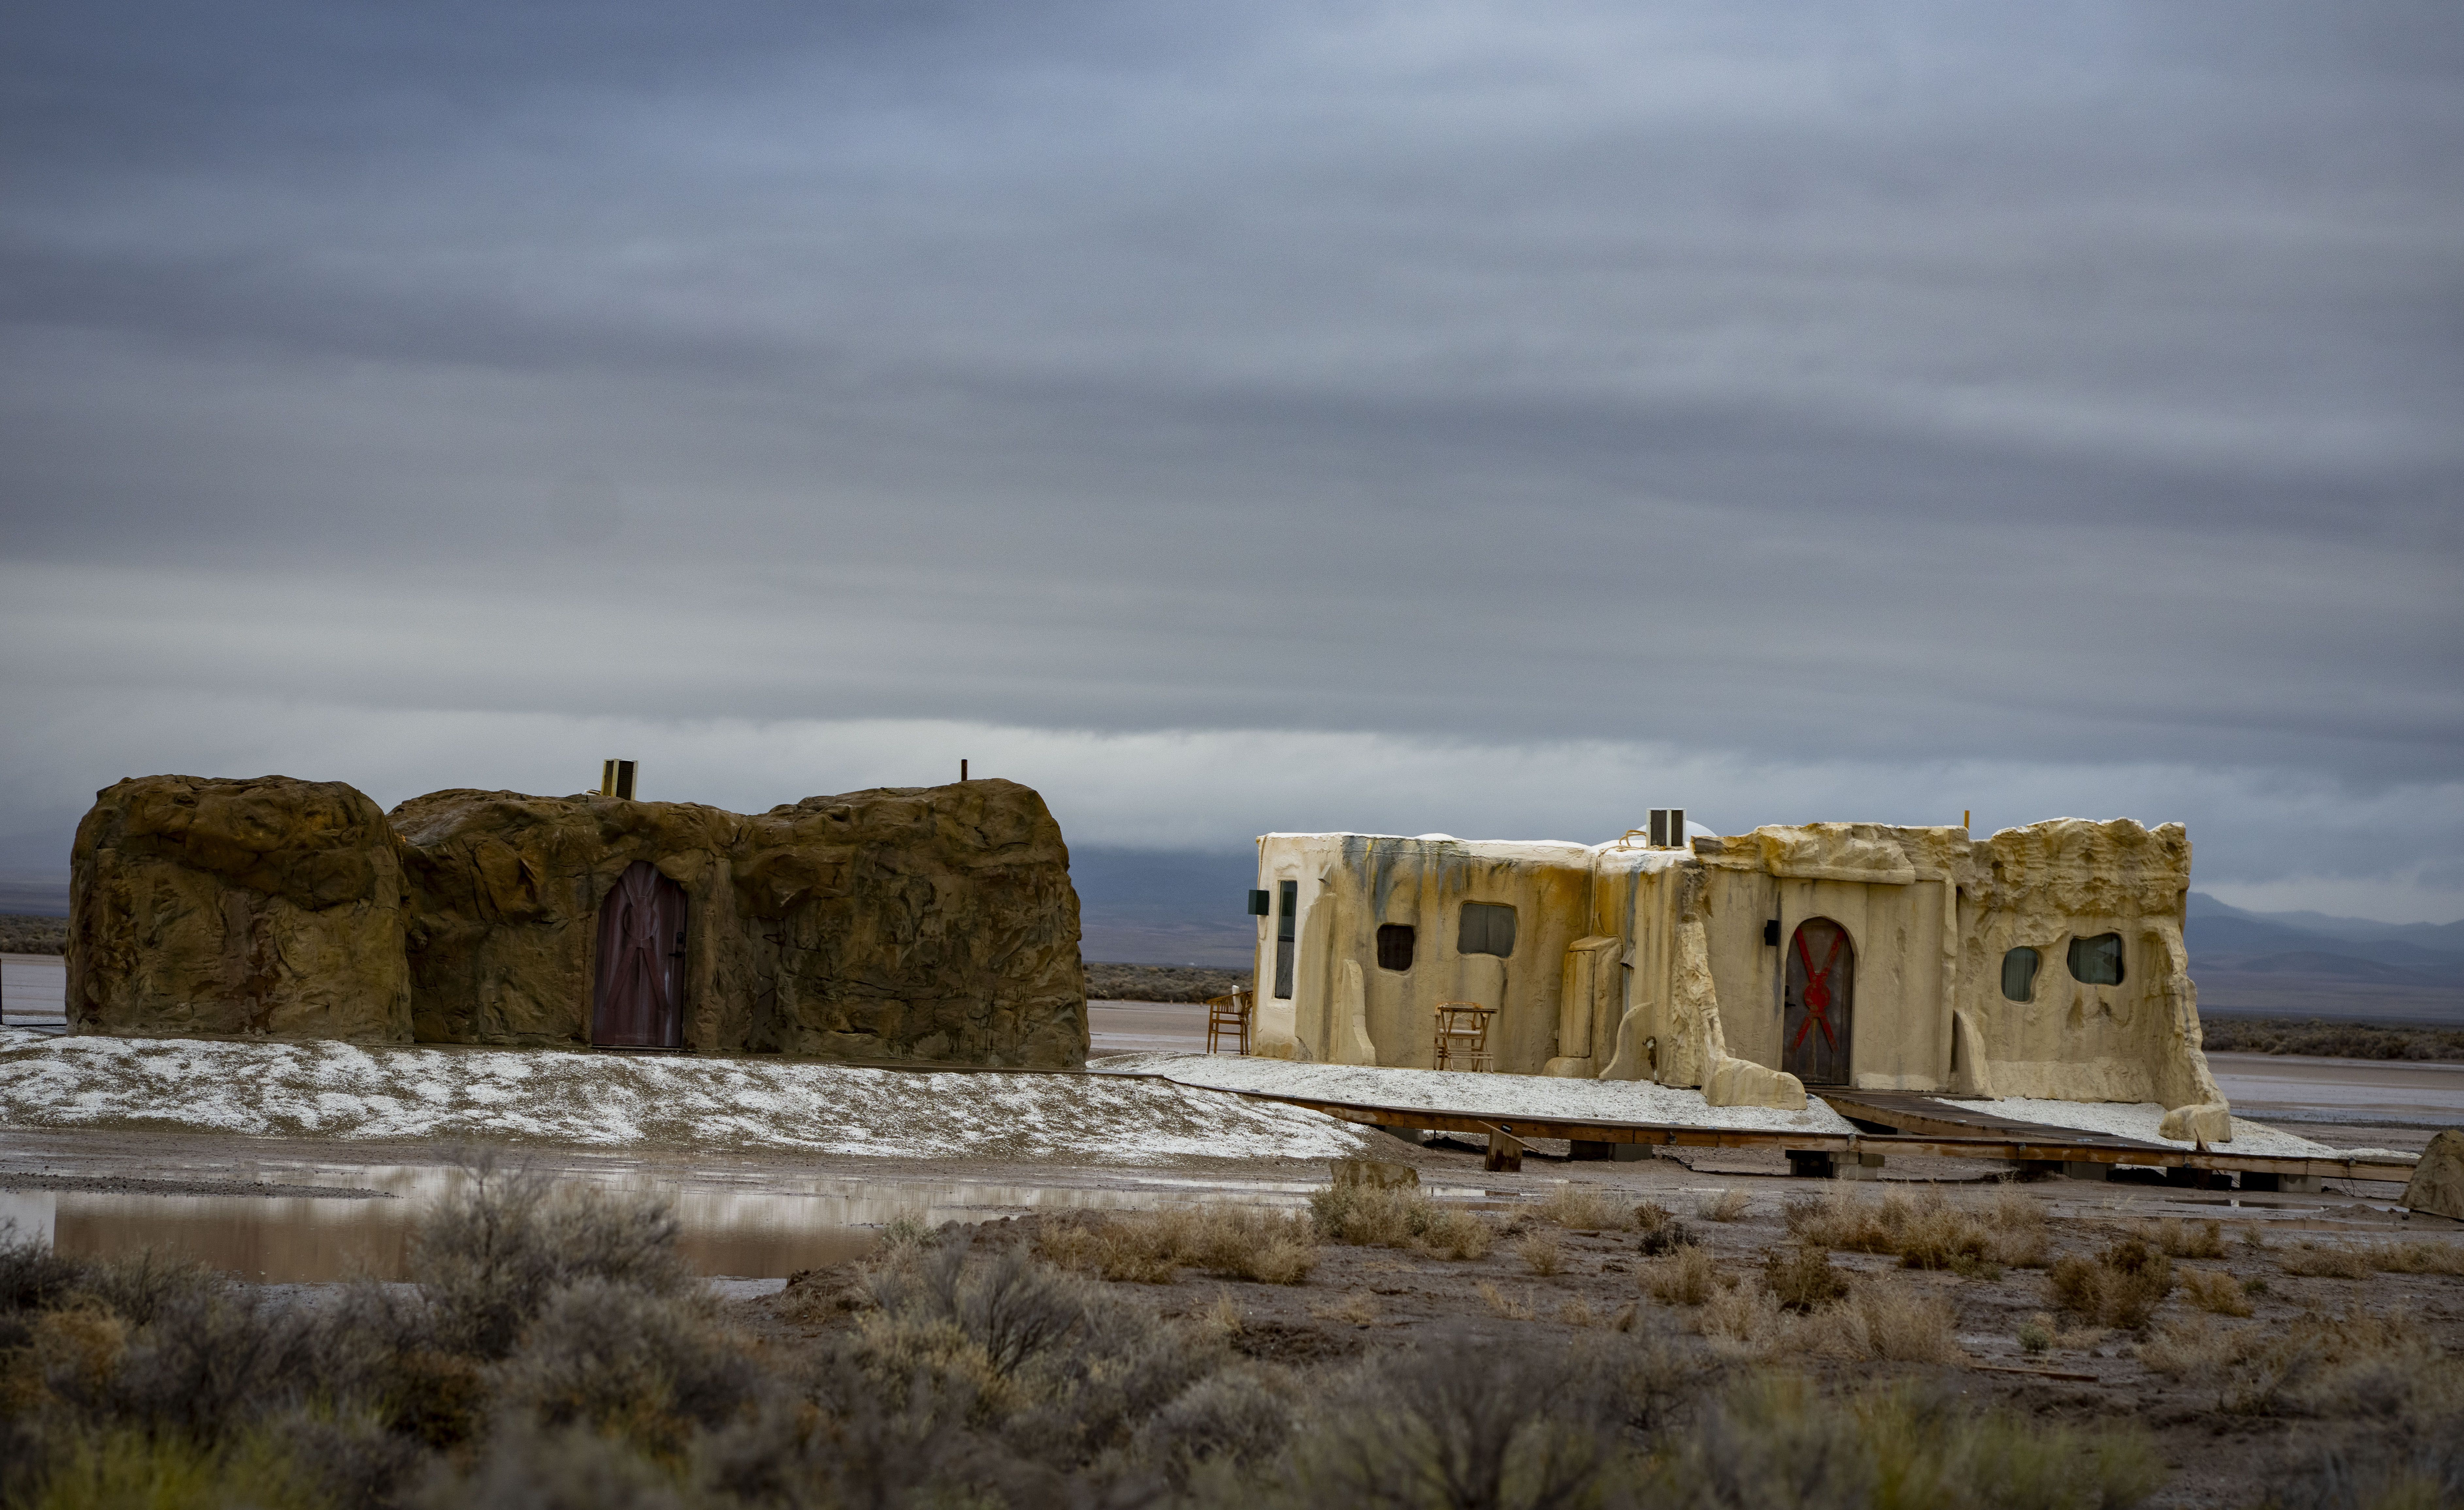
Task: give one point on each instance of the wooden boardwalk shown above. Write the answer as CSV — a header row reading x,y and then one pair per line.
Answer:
x,y
1979,1137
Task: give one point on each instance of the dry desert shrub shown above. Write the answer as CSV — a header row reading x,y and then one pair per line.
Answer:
x,y
2214,1291
1897,1323
2359,1364
1778,1439
1367,1217
1883,1318
492,1251
1541,1254
1231,1242
1687,1276
1802,1278
1724,1206
1740,1322
617,1361
1585,1209
2188,1240
2317,1260
1924,1230
1651,1216
2119,1287
1578,1312
2417,1257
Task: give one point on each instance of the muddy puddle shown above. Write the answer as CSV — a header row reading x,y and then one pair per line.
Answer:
x,y
728,1230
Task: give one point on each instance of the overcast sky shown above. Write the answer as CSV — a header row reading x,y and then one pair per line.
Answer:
x,y
1497,419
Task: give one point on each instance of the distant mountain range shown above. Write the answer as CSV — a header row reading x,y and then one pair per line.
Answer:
x,y
2310,964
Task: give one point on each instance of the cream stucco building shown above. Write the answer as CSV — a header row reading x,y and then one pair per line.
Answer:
x,y
2045,961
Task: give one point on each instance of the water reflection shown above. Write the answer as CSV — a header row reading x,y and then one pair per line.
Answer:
x,y
730,1227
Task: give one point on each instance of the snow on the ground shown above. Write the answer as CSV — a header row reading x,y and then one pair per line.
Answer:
x,y
2141,1120
1497,1096
340,1090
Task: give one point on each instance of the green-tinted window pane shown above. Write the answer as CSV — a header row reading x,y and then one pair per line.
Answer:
x,y
2097,961
2020,974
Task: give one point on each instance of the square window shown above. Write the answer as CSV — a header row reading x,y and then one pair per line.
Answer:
x,y
1395,945
1486,929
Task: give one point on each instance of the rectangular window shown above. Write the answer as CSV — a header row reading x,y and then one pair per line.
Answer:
x,y
1287,898
1486,929
1394,946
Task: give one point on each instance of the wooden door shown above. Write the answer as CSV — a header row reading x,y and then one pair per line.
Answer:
x,y
638,1000
1822,990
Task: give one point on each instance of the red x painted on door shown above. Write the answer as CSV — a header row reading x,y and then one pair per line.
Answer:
x,y
1816,1034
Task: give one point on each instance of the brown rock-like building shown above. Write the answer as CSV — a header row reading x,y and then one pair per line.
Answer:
x,y
920,923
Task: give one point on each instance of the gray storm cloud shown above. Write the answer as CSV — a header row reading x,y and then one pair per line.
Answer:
x,y
1795,406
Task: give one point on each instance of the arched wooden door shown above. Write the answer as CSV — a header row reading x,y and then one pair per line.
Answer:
x,y
637,1001
1821,990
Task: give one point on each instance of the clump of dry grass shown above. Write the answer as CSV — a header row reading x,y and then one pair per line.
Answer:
x,y
1687,1276
1802,1278
2214,1291
1541,1252
1882,1318
1896,1322
1366,1217
1651,1216
1357,1308
1585,1209
1152,1247
2119,1287
1578,1312
2416,1257
2358,1364
2317,1260
1502,1305
1744,1321
2188,1240
1723,1205
1925,1231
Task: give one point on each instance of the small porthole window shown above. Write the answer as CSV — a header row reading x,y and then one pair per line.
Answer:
x,y
1486,929
1394,946
2020,974
2097,961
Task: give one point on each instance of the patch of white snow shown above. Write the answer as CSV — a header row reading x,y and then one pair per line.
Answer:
x,y
1494,1096
339,1090
2141,1120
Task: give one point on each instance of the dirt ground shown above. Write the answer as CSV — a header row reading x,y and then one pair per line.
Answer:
x,y
2222,1450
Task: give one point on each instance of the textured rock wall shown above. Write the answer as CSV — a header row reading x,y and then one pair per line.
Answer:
x,y
2039,887
933,923
270,907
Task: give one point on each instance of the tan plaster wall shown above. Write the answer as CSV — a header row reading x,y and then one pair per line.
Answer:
x,y
2044,885
1690,994
1350,884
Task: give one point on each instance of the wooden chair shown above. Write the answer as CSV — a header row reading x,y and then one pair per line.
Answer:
x,y
1228,1016
1462,1037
